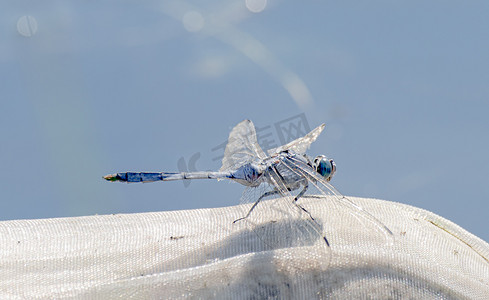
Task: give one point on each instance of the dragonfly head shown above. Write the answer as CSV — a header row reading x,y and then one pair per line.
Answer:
x,y
324,166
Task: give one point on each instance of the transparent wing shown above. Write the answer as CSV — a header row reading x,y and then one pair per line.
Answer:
x,y
300,145
242,147
281,223
370,226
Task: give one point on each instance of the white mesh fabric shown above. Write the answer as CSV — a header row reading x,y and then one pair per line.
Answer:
x,y
201,254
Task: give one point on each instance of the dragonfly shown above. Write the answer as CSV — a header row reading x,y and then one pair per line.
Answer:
x,y
284,173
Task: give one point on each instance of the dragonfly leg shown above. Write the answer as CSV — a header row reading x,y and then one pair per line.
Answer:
x,y
306,185
256,203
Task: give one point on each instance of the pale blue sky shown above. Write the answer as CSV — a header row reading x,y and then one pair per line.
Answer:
x,y
90,88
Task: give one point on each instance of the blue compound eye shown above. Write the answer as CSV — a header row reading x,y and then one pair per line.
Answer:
x,y
325,167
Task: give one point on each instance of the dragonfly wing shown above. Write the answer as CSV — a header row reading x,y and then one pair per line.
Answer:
x,y
242,147
325,189
300,145
281,223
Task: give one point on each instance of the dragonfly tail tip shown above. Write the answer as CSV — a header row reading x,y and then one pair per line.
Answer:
x,y
111,177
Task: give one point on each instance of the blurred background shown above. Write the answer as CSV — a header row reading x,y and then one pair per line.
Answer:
x,y
91,88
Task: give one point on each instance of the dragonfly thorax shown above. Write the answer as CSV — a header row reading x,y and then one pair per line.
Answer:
x,y
324,166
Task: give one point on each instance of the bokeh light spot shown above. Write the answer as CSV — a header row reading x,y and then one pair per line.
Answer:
x,y
256,6
27,26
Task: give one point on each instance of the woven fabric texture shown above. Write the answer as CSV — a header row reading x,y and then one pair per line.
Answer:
x,y
201,254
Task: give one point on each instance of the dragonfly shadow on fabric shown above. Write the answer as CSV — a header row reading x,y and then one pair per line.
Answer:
x,y
264,238
270,235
